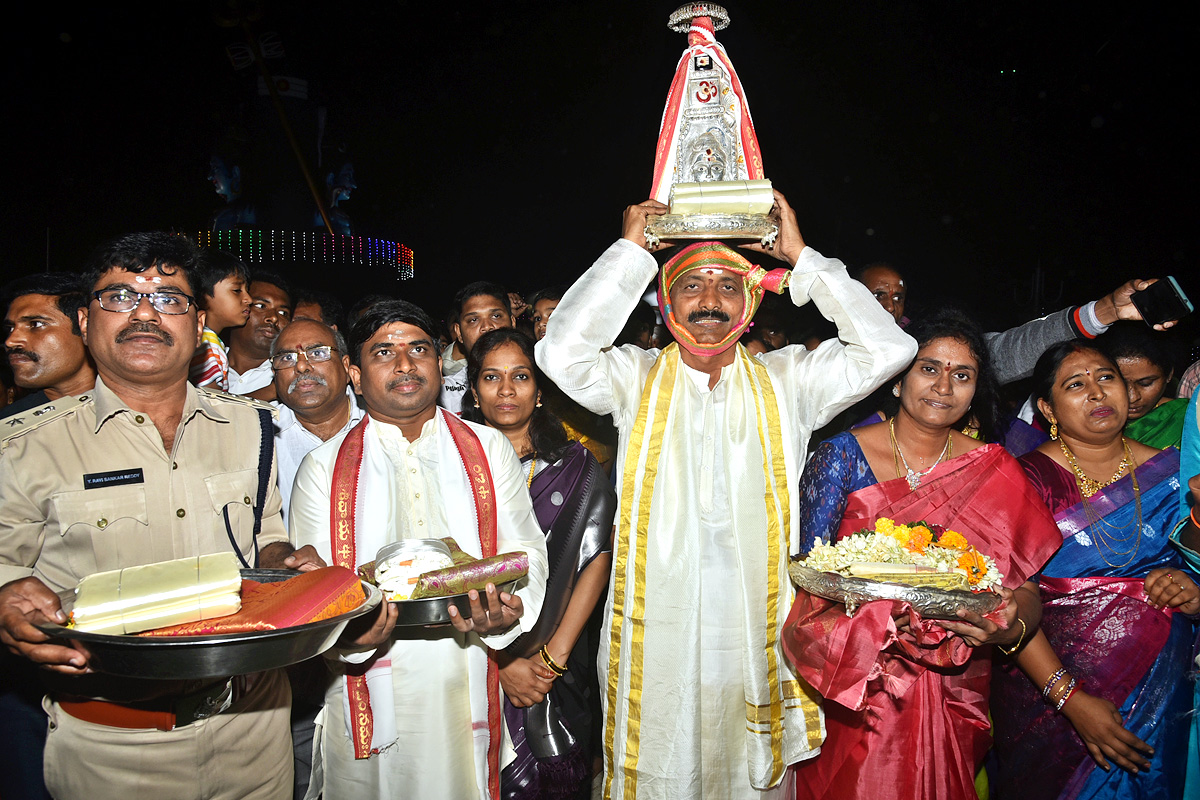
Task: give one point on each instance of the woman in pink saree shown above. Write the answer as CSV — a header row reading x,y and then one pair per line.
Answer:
x,y
906,698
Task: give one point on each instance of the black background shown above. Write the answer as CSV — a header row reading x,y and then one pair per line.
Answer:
x,y
1013,157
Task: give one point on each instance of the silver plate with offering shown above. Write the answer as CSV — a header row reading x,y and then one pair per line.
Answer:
x,y
436,610
679,227
928,601
214,655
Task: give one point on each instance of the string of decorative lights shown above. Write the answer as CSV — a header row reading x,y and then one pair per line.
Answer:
x,y
312,247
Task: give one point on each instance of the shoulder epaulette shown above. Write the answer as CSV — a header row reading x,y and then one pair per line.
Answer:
x,y
217,394
18,424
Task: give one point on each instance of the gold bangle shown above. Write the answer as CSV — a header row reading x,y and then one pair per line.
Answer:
x,y
1020,639
554,666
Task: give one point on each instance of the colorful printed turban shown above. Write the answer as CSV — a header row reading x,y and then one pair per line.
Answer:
x,y
717,256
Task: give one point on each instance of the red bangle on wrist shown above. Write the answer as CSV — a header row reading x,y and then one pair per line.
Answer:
x,y
1195,521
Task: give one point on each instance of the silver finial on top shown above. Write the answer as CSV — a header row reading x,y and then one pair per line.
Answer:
x,y
681,19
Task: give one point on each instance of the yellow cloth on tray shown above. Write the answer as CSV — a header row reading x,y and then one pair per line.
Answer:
x,y
136,599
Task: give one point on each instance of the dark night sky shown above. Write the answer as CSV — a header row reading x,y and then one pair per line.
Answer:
x,y
969,143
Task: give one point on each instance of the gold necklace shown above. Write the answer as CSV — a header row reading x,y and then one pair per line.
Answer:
x,y
1096,524
532,467
912,476
1088,486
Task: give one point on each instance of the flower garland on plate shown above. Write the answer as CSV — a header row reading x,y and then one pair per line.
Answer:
x,y
921,546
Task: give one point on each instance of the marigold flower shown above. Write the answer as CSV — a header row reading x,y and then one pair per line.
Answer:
x,y
916,539
972,561
953,540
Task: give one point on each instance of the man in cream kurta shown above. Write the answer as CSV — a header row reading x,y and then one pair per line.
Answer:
x,y
700,701
428,694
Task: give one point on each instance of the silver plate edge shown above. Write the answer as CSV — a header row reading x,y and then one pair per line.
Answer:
x,y
675,227
930,603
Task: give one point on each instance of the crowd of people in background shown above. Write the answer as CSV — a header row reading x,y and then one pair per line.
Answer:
x,y
1062,436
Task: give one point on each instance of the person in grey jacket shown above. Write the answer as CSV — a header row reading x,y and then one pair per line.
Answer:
x,y
1016,350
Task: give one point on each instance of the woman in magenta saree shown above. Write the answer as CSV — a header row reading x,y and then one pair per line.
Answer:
x,y
906,698
1115,600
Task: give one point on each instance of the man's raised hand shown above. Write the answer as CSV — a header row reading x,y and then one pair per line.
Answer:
x,y
633,223
789,242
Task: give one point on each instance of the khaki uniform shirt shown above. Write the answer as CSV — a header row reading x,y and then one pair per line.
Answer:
x,y
87,486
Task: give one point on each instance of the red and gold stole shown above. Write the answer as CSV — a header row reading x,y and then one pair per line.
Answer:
x,y
343,496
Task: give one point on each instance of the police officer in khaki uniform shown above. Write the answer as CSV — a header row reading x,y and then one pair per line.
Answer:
x,y
143,468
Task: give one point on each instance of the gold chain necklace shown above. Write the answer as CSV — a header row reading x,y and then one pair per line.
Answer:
x,y
1096,524
1088,486
912,476
532,467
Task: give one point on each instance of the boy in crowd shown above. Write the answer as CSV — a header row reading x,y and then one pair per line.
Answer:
x,y
222,293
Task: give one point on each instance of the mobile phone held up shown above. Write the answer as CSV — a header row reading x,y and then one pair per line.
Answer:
x,y
1162,301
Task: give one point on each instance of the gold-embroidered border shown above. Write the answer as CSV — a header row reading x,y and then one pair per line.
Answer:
x,y
775,495
343,496
655,381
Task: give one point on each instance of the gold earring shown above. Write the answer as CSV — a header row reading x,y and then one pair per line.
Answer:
x,y
1053,430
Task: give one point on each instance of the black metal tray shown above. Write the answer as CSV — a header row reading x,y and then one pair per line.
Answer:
x,y
216,655
436,610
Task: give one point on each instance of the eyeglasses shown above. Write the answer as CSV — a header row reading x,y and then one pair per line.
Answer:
x,y
285,359
124,300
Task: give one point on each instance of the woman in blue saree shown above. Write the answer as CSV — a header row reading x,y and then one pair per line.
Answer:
x,y
1115,641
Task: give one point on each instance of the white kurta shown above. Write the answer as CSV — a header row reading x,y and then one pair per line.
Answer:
x,y
437,747
699,686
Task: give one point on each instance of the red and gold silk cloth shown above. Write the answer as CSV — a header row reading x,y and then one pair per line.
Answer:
x,y
706,133
310,597
922,693
344,495
716,256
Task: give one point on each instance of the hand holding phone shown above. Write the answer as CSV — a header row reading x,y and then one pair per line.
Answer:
x,y
1163,301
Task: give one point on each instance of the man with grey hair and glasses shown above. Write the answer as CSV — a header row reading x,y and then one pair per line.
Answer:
x,y
313,395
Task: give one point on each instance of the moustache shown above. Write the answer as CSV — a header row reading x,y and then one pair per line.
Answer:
x,y
715,314
137,328
312,378
405,379
20,351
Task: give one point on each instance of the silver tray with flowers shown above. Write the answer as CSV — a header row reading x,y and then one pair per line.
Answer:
x,y
936,571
